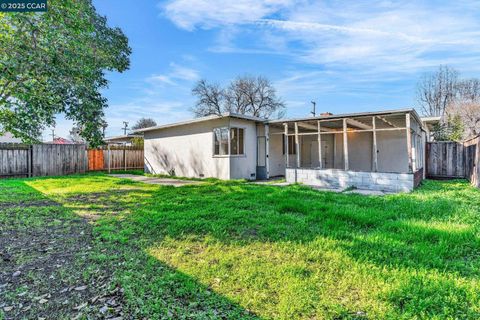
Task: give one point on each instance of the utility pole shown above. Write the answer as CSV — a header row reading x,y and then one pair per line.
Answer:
x,y
313,111
104,126
125,127
53,134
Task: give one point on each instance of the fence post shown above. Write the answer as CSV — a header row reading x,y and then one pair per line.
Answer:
x,y
109,157
30,161
125,156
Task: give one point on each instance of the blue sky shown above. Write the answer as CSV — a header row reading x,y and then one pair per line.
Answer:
x,y
348,56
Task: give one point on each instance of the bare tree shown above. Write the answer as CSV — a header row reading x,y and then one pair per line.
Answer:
x,y
210,99
469,90
466,106
436,91
247,95
144,123
235,97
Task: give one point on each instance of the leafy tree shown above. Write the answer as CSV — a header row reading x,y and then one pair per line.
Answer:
x,y
138,142
144,123
55,62
451,129
247,95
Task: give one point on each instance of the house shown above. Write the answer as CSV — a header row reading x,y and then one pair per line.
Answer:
x,y
126,139
373,150
8,137
60,140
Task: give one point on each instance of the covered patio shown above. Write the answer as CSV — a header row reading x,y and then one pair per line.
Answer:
x,y
377,151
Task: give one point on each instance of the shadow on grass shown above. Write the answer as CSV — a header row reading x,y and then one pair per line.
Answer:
x,y
433,230
30,221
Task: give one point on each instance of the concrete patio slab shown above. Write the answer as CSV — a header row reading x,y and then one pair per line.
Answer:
x,y
156,180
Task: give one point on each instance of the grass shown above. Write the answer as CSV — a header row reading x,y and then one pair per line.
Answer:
x,y
242,251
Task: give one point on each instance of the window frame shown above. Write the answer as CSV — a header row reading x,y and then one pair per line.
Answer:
x,y
229,137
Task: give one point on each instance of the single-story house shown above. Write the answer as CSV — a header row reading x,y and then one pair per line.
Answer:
x,y
381,150
126,139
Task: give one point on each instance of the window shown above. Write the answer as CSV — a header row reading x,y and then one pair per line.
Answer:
x,y
236,141
228,141
291,145
221,141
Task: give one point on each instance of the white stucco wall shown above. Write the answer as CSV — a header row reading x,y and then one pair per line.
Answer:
x,y
245,166
187,149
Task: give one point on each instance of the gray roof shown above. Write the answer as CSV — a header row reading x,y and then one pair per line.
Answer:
x,y
349,115
207,118
123,137
262,120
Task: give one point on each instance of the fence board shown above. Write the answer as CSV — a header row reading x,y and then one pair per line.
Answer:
x,y
14,160
445,160
472,161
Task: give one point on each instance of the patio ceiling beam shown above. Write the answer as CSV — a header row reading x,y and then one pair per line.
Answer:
x,y
313,127
341,131
386,121
358,124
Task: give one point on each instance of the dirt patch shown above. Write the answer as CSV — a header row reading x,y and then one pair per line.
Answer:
x,y
46,269
23,204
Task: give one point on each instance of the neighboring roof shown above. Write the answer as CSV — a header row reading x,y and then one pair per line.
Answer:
x,y
7,137
349,115
430,122
202,119
60,140
123,137
431,119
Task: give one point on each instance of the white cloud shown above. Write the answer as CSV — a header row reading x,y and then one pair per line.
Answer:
x,y
176,72
190,14
401,36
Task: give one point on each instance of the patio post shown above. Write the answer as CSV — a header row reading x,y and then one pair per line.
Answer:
x,y
297,146
319,147
285,142
409,142
375,150
267,150
345,144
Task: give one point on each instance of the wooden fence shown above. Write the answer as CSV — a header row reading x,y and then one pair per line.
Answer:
x,y
20,160
15,160
472,161
115,158
445,160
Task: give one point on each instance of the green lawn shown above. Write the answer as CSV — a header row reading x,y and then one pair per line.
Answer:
x,y
237,250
